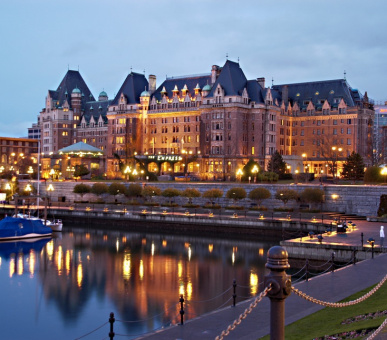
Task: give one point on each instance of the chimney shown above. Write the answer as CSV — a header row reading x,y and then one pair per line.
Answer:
x,y
214,73
285,94
152,83
261,81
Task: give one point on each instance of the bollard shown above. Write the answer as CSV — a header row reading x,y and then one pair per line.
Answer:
x,y
354,256
111,320
307,270
281,286
333,262
181,300
362,239
372,249
234,295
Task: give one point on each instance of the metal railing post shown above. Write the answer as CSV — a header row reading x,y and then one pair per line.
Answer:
x,y
307,270
234,294
111,320
181,300
362,239
333,262
281,286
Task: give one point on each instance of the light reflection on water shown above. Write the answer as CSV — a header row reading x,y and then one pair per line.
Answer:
x,y
70,284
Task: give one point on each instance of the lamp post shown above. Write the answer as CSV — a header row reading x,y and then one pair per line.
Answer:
x,y
335,167
240,174
255,171
127,172
304,156
52,173
383,172
50,189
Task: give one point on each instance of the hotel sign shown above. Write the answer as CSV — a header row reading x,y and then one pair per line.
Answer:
x,y
165,158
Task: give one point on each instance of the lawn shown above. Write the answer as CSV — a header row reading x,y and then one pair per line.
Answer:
x,y
328,320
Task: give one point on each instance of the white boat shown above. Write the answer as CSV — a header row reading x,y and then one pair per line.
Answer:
x,y
55,225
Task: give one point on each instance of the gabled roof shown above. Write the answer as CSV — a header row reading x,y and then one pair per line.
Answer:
x,y
71,80
320,91
231,78
255,91
134,84
95,109
79,148
180,82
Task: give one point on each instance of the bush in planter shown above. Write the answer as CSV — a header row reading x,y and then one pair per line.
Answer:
x,y
99,189
236,194
191,193
286,195
312,195
260,208
116,189
133,190
283,209
259,194
171,193
81,189
234,207
213,194
382,210
150,191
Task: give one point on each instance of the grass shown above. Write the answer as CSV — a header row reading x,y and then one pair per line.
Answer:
x,y
328,320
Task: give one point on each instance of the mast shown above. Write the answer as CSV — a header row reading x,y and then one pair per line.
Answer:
x,y
37,191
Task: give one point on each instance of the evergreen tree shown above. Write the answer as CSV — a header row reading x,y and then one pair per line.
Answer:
x,y
248,170
353,168
277,164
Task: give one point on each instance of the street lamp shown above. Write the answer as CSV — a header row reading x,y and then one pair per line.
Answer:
x,y
384,173
50,189
335,167
240,174
127,172
52,173
255,171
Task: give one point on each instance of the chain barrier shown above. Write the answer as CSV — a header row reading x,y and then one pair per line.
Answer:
x,y
150,318
322,265
299,271
374,334
92,331
300,278
242,316
339,304
215,297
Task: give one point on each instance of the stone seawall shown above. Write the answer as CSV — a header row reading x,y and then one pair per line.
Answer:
x,y
360,200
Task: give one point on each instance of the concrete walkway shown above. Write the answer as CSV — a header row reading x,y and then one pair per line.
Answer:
x,y
330,287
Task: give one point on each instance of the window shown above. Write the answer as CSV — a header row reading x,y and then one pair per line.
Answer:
x,y
348,141
335,131
348,131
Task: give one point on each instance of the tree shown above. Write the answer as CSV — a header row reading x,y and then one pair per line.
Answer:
x,y
213,194
259,194
81,189
191,193
150,191
236,194
116,189
286,195
171,193
248,170
373,175
353,168
312,195
99,189
277,164
133,190
382,210
81,170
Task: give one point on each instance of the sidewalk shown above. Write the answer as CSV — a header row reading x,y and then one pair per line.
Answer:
x,y
331,287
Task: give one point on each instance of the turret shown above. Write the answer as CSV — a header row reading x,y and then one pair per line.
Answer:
x,y
76,101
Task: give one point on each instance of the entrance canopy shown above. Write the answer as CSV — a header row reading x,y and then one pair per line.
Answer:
x,y
81,149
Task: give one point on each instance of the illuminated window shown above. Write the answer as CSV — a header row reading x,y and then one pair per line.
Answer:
x,y
65,133
253,150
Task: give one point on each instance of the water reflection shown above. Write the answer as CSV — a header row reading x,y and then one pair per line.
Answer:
x,y
86,274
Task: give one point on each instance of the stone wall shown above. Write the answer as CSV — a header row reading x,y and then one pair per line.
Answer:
x,y
360,200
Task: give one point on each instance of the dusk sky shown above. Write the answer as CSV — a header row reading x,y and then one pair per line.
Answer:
x,y
290,41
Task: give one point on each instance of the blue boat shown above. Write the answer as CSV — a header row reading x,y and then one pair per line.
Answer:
x,y
20,228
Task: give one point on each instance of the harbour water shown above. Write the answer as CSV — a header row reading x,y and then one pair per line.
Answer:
x,y
67,286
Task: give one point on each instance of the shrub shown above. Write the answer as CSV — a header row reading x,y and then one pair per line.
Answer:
x,y
268,177
171,193
286,195
116,189
81,189
312,195
99,189
133,190
191,193
236,194
213,194
150,191
259,194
